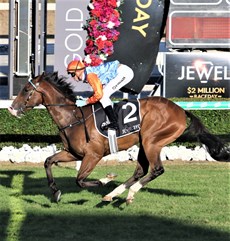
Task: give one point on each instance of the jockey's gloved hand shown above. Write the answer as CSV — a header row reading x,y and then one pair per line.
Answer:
x,y
79,97
80,103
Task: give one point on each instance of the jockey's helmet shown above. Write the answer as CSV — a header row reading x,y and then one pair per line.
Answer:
x,y
75,65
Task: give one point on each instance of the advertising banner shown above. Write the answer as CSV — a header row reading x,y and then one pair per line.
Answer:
x,y
139,39
138,42
70,37
197,75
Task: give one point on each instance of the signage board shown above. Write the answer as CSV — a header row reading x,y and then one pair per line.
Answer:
x,y
70,37
197,75
139,39
198,24
137,45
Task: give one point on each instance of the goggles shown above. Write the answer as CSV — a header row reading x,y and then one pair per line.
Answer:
x,y
72,73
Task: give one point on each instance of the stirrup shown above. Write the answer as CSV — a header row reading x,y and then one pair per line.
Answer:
x,y
112,141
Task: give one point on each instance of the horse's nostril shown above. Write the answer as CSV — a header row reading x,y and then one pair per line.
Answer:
x,y
12,111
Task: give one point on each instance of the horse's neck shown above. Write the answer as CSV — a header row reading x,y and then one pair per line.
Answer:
x,y
60,108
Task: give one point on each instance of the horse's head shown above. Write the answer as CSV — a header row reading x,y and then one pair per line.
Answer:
x,y
29,97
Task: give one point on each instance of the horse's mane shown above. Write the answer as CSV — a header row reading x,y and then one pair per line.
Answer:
x,y
61,84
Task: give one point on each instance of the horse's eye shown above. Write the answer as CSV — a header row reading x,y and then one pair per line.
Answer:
x,y
26,90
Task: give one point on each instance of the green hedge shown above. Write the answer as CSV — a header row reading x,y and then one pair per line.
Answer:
x,y
217,121
37,127
37,121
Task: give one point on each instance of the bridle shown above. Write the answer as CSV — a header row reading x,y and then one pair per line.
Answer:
x,y
35,86
31,93
78,122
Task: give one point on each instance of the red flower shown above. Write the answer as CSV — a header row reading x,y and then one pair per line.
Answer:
x,y
93,22
112,3
103,21
95,60
100,43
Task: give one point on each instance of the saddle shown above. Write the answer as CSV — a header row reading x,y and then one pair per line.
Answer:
x,y
128,113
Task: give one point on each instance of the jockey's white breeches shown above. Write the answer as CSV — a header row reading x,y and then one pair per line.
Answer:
x,y
124,76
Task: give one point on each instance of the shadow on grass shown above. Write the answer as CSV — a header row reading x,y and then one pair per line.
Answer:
x,y
7,178
100,225
38,186
88,227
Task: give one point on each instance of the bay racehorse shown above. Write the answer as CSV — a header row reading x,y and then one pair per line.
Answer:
x,y
162,122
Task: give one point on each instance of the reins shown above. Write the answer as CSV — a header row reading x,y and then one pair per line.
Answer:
x,y
86,132
61,129
60,105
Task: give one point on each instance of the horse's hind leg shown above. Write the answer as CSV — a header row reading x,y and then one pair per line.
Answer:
x,y
162,134
156,169
140,171
62,156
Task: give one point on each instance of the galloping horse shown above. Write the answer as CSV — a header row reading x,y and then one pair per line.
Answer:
x,y
162,122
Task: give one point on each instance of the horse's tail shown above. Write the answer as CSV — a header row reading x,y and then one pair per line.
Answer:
x,y
216,148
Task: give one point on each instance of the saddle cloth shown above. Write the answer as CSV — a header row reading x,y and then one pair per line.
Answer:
x,y
128,113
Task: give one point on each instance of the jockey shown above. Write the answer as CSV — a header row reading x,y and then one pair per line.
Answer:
x,y
104,79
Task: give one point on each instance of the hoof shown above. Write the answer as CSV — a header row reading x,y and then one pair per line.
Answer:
x,y
57,196
107,199
129,201
111,176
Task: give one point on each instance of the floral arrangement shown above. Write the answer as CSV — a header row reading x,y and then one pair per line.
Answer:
x,y
102,30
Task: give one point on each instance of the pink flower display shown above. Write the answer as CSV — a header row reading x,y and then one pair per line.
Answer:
x,y
102,30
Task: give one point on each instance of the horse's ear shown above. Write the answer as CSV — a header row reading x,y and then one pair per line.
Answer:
x,y
55,73
41,76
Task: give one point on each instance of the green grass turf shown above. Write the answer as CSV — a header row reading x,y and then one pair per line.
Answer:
x,y
189,202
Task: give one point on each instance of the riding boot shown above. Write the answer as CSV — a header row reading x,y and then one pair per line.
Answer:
x,y
112,118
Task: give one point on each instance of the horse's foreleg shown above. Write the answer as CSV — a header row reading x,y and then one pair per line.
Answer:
x,y
88,164
62,156
140,171
109,177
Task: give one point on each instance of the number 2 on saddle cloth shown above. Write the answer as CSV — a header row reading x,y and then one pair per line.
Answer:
x,y
128,117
